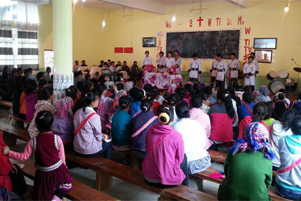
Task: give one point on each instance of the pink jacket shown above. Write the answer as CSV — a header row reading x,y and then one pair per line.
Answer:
x,y
221,127
203,118
163,161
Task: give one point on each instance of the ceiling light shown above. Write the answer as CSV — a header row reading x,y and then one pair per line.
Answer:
x,y
83,0
103,23
173,18
286,8
74,1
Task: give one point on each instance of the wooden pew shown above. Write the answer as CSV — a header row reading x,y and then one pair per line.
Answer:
x,y
105,169
6,103
79,190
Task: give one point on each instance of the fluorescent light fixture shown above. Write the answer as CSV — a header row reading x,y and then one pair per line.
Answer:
x,y
74,1
286,8
103,23
173,18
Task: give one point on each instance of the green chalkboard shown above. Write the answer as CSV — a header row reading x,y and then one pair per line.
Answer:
x,y
205,43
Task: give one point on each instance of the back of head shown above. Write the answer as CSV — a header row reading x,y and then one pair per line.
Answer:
x,y
296,126
44,121
279,96
133,91
247,97
119,86
46,93
42,83
40,75
196,101
208,90
139,95
147,88
30,86
79,86
166,114
71,92
247,89
173,99
196,87
182,110
288,116
181,92
87,85
188,87
88,98
124,102
63,107
146,105
260,111
226,99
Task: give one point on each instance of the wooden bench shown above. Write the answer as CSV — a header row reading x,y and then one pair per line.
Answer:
x,y
79,190
105,169
12,117
205,175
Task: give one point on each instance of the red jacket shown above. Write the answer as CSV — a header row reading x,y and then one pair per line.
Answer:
x,y
5,167
242,125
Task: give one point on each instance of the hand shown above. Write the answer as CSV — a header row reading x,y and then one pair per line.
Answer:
x,y
5,150
114,87
14,170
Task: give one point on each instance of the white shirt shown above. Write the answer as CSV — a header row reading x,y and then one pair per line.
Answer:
x,y
194,138
178,63
233,64
170,62
128,86
195,64
161,61
112,69
250,68
221,65
147,61
255,62
75,68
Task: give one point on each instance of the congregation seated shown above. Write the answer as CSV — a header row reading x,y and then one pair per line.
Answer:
x,y
279,106
194,138
261,95
247,107
165,163
248,166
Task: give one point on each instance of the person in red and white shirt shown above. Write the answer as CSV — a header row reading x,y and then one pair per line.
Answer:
x,y
221,68
147,60
195,68
170,61
234,66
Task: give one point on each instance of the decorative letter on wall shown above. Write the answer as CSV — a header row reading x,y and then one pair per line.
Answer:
x,y
200,21
168,24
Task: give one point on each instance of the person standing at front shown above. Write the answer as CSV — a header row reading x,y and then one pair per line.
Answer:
x,y
249,73
213,70
161,62
195,68
234,67
178,61
221,68
147,60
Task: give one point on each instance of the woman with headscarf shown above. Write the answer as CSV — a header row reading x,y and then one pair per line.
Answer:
x,y
63,120
248,166
261,95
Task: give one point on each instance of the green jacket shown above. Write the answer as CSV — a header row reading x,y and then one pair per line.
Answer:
x,y
248,177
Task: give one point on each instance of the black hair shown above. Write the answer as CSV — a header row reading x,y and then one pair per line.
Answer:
x,y
19,69
42,83
26,71
48,68
233,54
138,96
177,51
155,92
205,96
181,92
124,102
288,116
147,88
14,71
282,90
44,121
250,57
79,86
88,98
247,97
219,55
169,53
260,110
196,86
182,110
269,105
86,86
45,93
30,86
247,89
87,76
173,99
39,75
194,55
146,105
252,53
161,53
280,96
296,126
98,90
83,61
169,111
146,52
119,86
226,98
188,87
71,92
133,91
208,90
196,101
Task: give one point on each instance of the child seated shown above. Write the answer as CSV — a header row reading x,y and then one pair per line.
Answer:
x,y
52,179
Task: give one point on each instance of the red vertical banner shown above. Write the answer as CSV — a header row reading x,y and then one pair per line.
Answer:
x,y
118,50
128,50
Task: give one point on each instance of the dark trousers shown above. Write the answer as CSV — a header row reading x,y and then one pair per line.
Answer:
x,y
213,79
220,84
233,82
18,181
106,151
16,104
288,193
193,79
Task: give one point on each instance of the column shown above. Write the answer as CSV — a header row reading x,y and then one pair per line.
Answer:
x,y
62,46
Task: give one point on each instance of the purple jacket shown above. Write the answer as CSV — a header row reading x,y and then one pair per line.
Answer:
x,y
163,161
31,100
63,128
138,139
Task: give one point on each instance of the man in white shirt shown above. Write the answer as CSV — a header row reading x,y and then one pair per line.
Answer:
x,y
255,62
169,62
234,66
221,68
161,63
213,71
178,61
249,73
76,66
147,60
195,68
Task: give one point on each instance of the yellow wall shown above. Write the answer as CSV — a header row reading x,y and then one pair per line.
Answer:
x,y
266,19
